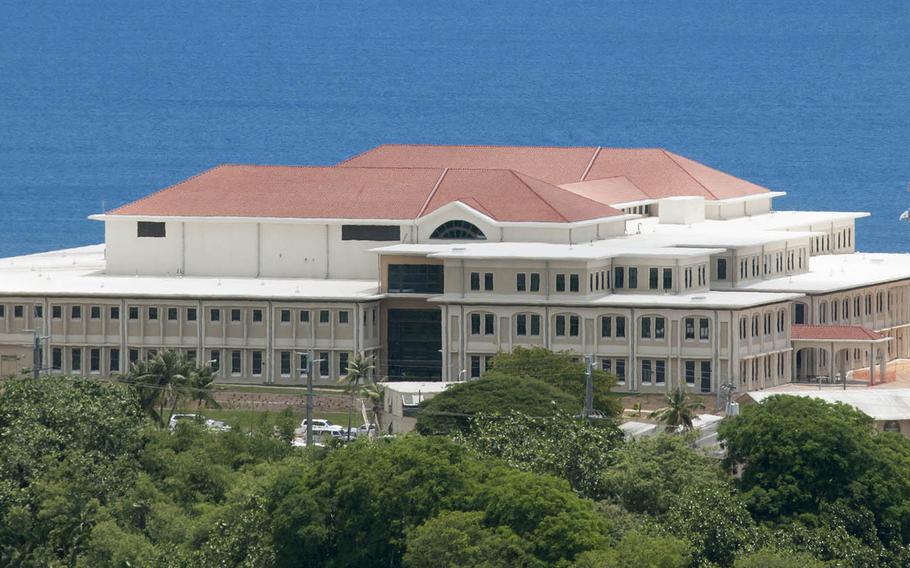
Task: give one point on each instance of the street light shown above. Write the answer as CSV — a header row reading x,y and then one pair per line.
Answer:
x,y
311,366
36,350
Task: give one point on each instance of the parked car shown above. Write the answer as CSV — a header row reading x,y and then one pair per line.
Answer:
x,y
321,423
208,423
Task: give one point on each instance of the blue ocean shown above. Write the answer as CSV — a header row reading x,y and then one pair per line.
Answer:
x,y
101,102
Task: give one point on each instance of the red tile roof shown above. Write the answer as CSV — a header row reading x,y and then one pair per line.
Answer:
x,y
364,193
656,173
834,332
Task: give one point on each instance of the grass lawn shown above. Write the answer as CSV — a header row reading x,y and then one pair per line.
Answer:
x,y
257,419
271,389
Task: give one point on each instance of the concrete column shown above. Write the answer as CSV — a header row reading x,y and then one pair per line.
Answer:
x,y
884,367
872,364
831,366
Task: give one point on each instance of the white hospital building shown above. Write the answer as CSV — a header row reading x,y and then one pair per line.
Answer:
x,y
435,258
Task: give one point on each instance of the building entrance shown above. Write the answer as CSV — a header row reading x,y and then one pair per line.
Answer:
x,y
415,343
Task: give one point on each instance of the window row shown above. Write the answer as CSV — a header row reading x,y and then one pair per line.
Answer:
x,y
755,266
763,324
840,310
612,326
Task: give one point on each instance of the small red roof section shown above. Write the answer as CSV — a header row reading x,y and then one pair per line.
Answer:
x,y
834,333
653,172
364,193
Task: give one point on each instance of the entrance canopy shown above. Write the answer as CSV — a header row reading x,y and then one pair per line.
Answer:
x,y
831,340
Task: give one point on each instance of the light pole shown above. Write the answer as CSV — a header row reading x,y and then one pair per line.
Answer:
x,y
310,369
589,386
36,351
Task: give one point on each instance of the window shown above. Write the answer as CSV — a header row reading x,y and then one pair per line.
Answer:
x,y
560,282
115,359
257,363
56,358
573,283
134,356
521,281
303,364
646,328
458,230
94,360
659,331
285,317
191,314
646,372
75,312
488,281
706,376
653,276
370,233
633,277
235,315
172,314
475,324
668,278
799,315
257,316
621,371
304,316
415,278
76,360
39,311
660,371
535,325
573,326
475,366
535,282
323,316
323,364
721,269
606,326
215,315
690,373
618,277
344,316
620,326
475,281
215,360
343,364
560,326
703,329
521,325
2,311
690,328
153,313
56,312
488,324
145,229
236,363
191,355
115,312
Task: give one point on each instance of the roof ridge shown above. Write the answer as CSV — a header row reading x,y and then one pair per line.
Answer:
x,y
432,193
535,192
688,173
584,174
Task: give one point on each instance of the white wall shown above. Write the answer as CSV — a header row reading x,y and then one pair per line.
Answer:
x,y
293,250
221,249
126,253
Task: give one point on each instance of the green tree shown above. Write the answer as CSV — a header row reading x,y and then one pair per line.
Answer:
x,y
559,445
636,549
457,539
359,369
679,411
775,559
561,369
451,410
166,380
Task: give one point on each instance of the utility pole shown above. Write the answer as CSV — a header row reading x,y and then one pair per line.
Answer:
x,y
589,386
37,364
310,369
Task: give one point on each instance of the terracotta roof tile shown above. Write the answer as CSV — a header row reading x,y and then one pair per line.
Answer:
x,y
834,332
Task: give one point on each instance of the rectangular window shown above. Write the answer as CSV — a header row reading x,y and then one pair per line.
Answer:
x,y
646,376
620,326
303,364
416,279
172,314
521,281
2,311
115,312
475,366
475,324
323,316
133,312
659,330
257,316
323,364
285,316
660,371
191,314
235,315
535,282
488,281
304,316
668,278
56,312
370,233
191,355
342,364
94,360
690,373
573,326
236,363
633,277
215,315
721,268
653,277
646,328
560,326
56,358
257,363
344,316
621,371
76,361
606,326
75,312
606,365
706,376
560,282
703,329
115,359
521,325
475,281
134,356
535,325
39,311
215,360
573,283
690,328
488,324
153,313
618,277
145,229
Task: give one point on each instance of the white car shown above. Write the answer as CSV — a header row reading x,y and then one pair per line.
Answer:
x,y
321,423
208,423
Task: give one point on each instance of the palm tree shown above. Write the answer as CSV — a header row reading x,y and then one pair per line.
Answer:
x,y
376,394
166,380
678,412
359,369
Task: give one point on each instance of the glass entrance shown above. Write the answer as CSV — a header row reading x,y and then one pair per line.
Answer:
x,y
415,343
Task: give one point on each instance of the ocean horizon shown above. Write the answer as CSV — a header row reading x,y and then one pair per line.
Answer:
x,y
100,106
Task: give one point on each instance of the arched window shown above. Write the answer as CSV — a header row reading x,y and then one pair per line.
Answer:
x,y
458,229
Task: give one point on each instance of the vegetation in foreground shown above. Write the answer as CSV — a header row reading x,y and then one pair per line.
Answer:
x,y
88,479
